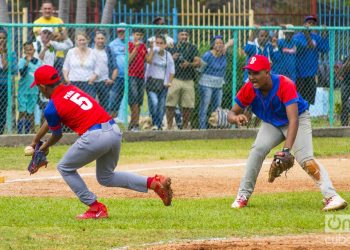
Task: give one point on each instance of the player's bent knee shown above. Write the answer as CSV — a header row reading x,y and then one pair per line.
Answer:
x,y
260,150
104,181
312,168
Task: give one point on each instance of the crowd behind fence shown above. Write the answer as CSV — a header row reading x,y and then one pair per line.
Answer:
x,y
160,82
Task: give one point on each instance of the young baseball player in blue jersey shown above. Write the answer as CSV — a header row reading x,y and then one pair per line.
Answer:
x,y
285,117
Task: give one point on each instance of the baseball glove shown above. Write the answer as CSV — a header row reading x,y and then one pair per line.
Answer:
x,y
218,118
282,161
38,159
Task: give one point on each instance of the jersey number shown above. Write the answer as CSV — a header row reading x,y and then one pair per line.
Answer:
x,y
82,101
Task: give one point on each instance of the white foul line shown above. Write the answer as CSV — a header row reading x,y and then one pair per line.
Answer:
x,y
135,170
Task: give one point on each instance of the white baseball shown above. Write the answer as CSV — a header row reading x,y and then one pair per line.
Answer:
x,y
29,150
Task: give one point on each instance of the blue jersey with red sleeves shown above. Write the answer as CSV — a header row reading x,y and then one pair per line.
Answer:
x,y
272,108
74,108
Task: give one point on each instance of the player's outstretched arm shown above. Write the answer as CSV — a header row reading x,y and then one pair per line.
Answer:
x,y
236,116
40,134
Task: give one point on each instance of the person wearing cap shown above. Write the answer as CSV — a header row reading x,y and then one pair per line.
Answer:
x,y
287,48
309,45
45,50
5,67
45,47
99,139
260,43
181,92
285,117
169,40
116,93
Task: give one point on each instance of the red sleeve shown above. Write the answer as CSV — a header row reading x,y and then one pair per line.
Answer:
x,y
131,47
245,95
144,50
287,91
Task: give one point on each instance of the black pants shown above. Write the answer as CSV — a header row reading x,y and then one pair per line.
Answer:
x,y
345,102
3,107
306,87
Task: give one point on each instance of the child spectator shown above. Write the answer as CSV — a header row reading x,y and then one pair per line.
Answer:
x,y
27,97
159,74
137,57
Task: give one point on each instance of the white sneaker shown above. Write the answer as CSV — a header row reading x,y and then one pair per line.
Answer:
x,y
240,202
334,203
154,127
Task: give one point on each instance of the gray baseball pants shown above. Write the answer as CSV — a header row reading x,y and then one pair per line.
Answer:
x,y
102,145
269,137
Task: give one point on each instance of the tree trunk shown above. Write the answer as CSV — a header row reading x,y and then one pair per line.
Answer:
x,y
108,15
63,11
81,13
4,15
108,11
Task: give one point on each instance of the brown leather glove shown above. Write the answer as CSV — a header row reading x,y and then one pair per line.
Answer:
x,y
282,161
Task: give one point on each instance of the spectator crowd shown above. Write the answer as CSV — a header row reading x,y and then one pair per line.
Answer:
x,y
160,67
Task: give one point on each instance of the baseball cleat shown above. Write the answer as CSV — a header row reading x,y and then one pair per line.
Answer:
x,y
334,203
161,186
97,211
240,202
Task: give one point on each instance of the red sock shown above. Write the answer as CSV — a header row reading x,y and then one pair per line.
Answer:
x,y
149,181
94,203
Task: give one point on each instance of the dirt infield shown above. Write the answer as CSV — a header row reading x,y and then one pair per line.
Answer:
x,y
206,176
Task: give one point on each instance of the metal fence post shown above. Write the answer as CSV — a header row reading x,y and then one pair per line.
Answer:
x,y
234,65
9,79
126,76
175,24
331,76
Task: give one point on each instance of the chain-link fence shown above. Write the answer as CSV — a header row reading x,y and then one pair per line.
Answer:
x,y
170,79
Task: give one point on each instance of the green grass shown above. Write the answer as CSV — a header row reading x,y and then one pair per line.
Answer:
x,y
48,223
13,158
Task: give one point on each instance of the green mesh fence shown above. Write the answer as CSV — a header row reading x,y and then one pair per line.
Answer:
x,y
172,78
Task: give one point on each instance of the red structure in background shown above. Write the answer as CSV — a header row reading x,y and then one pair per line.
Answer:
x,y
275,12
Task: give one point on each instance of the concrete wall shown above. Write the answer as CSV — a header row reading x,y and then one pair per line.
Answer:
x,y
21,140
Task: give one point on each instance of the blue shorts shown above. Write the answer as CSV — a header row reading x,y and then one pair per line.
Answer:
x,y
136,90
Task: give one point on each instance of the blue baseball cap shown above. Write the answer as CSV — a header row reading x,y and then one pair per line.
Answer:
x,y
307,18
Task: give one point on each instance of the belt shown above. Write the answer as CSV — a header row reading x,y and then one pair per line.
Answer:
x,y
99,126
